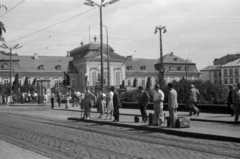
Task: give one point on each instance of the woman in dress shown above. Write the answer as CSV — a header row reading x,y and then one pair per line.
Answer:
x,y
101,103
110,106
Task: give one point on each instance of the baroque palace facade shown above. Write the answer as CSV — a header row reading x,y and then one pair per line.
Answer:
x,y
83,66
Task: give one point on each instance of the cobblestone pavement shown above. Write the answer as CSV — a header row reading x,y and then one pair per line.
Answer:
x,y
48,133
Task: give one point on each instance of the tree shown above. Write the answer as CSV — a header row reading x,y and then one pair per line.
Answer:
x,y
135,83
16,83
149,83
33,86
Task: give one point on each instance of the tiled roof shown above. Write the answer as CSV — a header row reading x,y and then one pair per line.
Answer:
x,y
137,63
232,63
29,64
211,68
171,58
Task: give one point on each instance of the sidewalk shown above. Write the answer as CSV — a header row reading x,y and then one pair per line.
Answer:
x,y
10,151
206,125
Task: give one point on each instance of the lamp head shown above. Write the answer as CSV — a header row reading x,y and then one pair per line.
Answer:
x,y
165,30
155,31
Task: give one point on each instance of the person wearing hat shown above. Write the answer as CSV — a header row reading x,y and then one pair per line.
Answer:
x,y
116,104
236,102
158,98
143,99
230,100
194,97
87,103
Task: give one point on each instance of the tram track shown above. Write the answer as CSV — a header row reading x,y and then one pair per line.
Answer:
x,y
146,138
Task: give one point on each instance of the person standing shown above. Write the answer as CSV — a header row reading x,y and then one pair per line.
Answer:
x,y
116,104
101,103
52,100
110,107
172,105
87,103
158,98
194,97
143,99
230,100
45,99
59,98
236,101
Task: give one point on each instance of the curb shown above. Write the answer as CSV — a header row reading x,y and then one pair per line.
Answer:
x,y
193,119
164,130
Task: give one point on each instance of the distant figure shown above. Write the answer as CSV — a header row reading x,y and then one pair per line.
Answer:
x,y
59,98
158,98
116,104
172,105
143,99
45,98
101,103
29,96
236,101
194,97
110,105
230,100
52,100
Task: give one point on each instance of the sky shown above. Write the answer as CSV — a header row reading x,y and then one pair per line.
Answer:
x,y
198,30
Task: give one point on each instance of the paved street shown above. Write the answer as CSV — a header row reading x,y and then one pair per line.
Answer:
x,y
47,132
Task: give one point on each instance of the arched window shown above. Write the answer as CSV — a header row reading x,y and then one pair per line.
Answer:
x,y
129,82
117,78
143,82
5,66
20,83
94,78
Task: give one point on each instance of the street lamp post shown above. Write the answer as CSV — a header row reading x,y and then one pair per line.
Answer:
x,y
4,46
161,70
108,65
92,4
186,67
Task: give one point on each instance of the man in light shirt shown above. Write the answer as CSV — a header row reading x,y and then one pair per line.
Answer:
x,y
158,98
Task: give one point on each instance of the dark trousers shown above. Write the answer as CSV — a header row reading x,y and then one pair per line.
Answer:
x,y
52,102
193,108
230,111
143,112
116,113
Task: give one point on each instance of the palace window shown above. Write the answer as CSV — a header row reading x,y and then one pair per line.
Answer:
x,y
117,78
171,68
236,80
40,67
129,67
56,83
225,80
5,66
143,82
5,81
143,67
231,80
230,72
179,68
225,72
20,83
236,72
58,67
129,83
94,78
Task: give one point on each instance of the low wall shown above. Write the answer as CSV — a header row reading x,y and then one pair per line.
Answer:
x,y
209,108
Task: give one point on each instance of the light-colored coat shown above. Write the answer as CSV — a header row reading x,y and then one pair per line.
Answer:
x,y
194,95
172,100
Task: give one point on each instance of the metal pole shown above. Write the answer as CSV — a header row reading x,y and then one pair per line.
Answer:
x,y
100,7
108,59
161,58
10,70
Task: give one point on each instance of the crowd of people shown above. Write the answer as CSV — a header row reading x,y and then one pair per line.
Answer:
x,y
23,97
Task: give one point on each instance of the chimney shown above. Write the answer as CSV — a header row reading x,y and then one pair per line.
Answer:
x,y
129,57
35,56
68,53
171,53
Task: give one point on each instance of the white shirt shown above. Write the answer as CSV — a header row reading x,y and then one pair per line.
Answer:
x,y
158,95
78,94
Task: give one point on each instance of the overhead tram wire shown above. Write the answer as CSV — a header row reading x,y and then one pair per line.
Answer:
x,y
51,25
12,8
